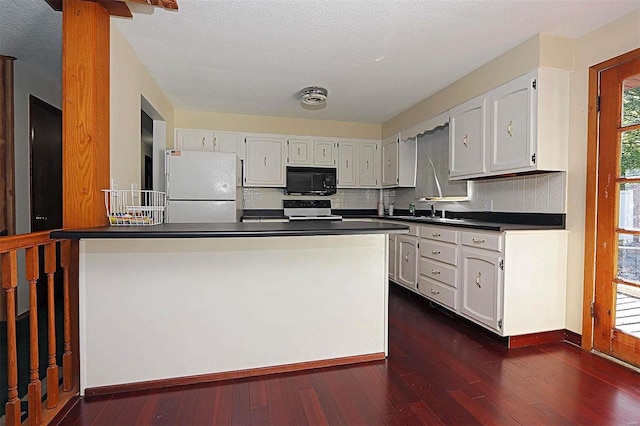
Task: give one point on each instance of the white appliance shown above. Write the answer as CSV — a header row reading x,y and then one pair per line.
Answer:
x,y
203,187
309,210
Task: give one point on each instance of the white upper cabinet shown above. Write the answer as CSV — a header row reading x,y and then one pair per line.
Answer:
x,y
264,163
519,127
229,142
390,161
306,151
529,123
347,164
324,153
194,140
467,139
368,164
299,152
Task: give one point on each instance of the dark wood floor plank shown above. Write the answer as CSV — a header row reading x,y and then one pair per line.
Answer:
x,y
439,371
222,404
188,405
241,408
204,407
168,408
312,407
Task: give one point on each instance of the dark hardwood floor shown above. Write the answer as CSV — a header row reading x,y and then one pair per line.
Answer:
x,y
439,371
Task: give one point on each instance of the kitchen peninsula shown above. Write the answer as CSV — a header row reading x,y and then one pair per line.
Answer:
x,y
182,303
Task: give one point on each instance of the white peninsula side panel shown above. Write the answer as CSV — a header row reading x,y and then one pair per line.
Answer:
x,y
153,309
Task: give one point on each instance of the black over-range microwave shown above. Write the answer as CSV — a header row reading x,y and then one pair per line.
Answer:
x,y
311,180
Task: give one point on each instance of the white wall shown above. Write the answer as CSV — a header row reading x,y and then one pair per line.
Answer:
x,y
27,81
130,80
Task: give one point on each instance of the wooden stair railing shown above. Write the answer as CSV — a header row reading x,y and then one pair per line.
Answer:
x,y
30,243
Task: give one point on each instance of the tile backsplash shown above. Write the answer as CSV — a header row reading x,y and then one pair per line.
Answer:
x,y
539,193
271,198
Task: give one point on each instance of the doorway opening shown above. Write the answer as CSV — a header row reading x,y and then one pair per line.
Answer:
x,y
152,168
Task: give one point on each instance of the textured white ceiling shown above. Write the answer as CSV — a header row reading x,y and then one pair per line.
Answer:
x,y
376,58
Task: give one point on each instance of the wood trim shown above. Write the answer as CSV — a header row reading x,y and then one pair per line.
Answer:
x,y
7,137
85,119
66,401
592,194
16,242
572,337
229,375
534,339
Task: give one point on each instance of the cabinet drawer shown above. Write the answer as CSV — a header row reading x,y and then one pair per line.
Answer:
x,y
444,273
441,252
439,233
441,293
483,240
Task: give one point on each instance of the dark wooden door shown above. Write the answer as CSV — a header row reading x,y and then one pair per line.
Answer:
x,y
45,123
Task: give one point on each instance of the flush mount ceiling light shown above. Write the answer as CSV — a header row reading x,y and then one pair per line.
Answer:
x,y
313,95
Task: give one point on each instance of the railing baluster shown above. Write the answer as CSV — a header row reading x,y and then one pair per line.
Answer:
x,y
67,362
9,284
35,386
52,369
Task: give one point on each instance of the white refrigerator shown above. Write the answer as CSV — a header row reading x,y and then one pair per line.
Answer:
x,y
203,187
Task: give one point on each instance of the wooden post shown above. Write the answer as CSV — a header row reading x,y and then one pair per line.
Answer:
x,y
9,283
67,365
85,120
35,386
52,369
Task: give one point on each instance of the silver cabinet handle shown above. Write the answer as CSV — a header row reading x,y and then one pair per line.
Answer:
x,y
406,257
298,150
435,234
324,152
214,143
389,163
434,272
509,128
434,292
435,252
367,164
464,141
478,241
478,280
265,160
347,163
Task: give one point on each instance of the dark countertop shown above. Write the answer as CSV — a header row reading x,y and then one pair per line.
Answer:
x,y
466,223
231,230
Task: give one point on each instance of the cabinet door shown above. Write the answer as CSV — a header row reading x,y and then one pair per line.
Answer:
x,y
367,176
194,140
511,125
390,162
392,257
467,139
407,261
481,288
299,152
228,142
323,153
346,164
264,161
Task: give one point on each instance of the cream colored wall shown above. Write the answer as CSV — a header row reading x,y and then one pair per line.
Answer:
x,y
541,50
129,81
277,125
609,41
578,55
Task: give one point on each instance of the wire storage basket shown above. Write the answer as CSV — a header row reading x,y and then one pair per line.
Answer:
x,y
134,207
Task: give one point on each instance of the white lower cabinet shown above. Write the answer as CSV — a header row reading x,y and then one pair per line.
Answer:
x,y
481,287
511,282
407,256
